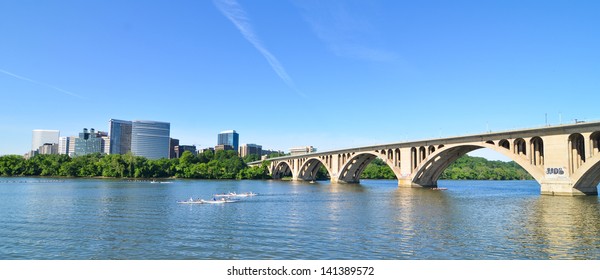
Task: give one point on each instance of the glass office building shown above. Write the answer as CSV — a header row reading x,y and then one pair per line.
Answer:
x,y
89,142
229,137
150,139
120,136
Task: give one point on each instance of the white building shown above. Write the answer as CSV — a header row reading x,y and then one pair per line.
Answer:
x,y
63,145
302,150
43,136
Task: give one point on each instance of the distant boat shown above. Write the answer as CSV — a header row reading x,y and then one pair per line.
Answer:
x,y
233,194
439,189
202,201
160,182
218,201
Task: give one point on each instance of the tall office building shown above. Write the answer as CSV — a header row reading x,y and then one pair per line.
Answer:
x,y
43,136
172,144
229,137
88,142
120,136
63,145
150,139
71,151
48,149
105,142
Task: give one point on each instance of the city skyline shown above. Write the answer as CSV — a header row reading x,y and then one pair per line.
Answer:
x,y
296,73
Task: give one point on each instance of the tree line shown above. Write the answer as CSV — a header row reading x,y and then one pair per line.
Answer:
x,y
464,168
206,165
223,165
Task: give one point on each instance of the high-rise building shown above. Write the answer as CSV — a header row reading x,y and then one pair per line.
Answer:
x,y
229,137
250,149
150,139
120,136
172,144
63,145
88,142
71,140
48,149
223,148
105,142
43,136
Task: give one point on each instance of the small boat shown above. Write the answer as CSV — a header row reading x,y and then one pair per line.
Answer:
x,y
439,189
246,194
218,201
202,201
159,182
190,201
231,194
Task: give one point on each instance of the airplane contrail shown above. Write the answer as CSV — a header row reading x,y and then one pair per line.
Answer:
x,y
39,83
234,12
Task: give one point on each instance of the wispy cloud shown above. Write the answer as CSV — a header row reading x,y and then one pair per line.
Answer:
x,y
236,14
39,83
344,33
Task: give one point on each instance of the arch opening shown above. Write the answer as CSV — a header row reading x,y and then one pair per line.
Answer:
x,y
431,150
282,170
433,169
537,151
595,143
520,147
504,144
351,172
313,169
413,159
576,151
422,154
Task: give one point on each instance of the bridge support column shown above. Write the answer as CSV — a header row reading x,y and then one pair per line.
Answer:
x,y
407,183
565,188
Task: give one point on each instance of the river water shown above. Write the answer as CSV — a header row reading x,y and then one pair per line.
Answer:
x,y
43,218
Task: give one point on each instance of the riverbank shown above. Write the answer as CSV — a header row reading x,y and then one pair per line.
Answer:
x,y
220,165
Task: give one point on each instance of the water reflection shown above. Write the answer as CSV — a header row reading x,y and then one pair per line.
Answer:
x,y
113,219
564,227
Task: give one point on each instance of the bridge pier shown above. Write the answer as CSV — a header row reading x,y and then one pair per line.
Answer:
x,y
565,188
408,183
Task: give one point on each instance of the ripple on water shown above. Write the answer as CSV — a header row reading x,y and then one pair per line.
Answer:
x,y
112,219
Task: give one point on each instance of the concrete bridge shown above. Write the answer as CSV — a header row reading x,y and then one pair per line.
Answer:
x,y
564,160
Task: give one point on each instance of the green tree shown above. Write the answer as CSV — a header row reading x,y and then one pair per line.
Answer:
x,y
12,165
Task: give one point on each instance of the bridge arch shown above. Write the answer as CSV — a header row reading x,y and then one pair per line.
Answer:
x,y
310,168
429,171
354,167
587,178
281,169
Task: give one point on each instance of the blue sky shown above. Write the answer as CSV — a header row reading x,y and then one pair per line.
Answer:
x,y
331,74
